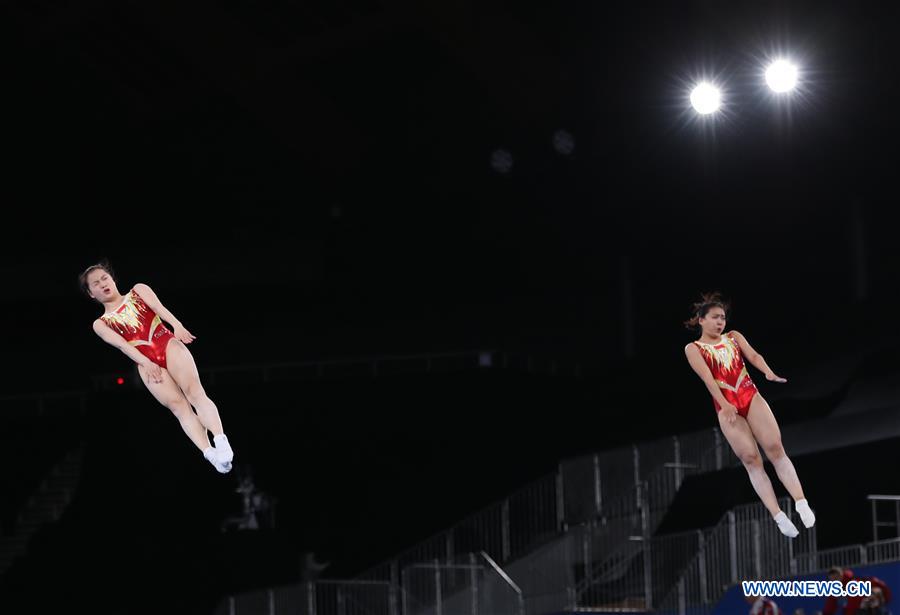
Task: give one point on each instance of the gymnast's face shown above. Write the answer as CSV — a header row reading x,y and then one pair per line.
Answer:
x,y
101,286
714,322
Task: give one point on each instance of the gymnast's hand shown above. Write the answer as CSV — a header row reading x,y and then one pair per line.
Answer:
x,y
729,412
154,372
773,378
184,335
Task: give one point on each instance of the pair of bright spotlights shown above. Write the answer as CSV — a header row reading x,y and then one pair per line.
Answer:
x,y
781,76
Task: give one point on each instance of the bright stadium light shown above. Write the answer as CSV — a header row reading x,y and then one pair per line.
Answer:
x,y
705,98
781,76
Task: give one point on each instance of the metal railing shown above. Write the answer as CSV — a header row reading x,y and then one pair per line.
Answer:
x,y
593,483
624,491
580,537
895,520
316,598
686,573
475,585
622,536
869,554
472,584
746,544
504,530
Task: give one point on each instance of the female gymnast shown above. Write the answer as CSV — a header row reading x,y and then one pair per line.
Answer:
x,y
744,416
133,323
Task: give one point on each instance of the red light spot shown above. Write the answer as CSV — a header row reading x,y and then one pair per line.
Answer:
x,y
120,380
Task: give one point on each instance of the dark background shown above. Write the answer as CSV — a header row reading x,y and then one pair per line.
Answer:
x,y
304,181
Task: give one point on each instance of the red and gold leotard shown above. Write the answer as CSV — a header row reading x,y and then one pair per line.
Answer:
x,y
141,327
726,363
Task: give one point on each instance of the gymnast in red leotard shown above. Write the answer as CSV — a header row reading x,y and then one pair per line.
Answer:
x,y
141,327
726,363
133,323
744,416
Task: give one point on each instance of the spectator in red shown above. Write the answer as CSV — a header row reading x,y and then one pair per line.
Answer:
x,y
762,606
857,605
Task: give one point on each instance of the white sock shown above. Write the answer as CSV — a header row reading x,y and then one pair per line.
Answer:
x,y
806,515
210,454
223,448
784,524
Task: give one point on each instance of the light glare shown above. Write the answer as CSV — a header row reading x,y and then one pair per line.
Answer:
x,y
705,98
781,76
